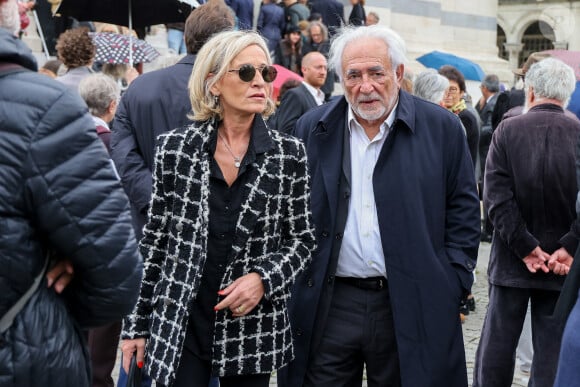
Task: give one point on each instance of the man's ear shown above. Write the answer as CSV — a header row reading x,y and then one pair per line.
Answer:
x,y
400,73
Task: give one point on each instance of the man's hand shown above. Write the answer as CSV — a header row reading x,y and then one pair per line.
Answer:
x,y
60,275
537,259
242,295
560,262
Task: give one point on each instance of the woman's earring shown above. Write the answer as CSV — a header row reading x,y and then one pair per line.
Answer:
x,y
216,100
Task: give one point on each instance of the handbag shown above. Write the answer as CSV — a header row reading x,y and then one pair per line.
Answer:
x,y
134,375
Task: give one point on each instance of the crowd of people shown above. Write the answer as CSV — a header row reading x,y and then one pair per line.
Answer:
x,y
222,236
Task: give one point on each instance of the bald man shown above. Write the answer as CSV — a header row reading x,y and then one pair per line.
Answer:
x,y
297,101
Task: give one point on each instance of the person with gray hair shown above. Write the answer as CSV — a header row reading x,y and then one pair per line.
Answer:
x,y
395,207
372,18
431,86
101,94
530,191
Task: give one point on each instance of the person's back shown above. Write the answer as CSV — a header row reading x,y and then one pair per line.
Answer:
x,y
155,103
59,195
332,13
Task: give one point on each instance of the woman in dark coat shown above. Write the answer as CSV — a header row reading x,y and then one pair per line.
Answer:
x,y
289,50
229,230
358,15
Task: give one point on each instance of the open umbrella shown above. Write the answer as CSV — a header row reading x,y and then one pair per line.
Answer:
x,y
437,59
117,48
283,75
571,58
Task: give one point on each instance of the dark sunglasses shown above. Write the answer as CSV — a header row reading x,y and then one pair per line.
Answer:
x,y
247,72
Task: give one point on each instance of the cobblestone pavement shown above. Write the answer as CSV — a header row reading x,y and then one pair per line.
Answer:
x,y
472,325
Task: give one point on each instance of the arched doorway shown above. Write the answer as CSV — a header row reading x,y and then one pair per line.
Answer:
x,y
539,36
501,39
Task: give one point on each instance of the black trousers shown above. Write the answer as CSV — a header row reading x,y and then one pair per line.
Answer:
x,y
495,356
359,331
195,372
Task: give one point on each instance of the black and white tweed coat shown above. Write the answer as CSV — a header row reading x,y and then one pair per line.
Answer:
x,y
274,237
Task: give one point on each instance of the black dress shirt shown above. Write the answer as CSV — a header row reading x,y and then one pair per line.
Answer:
x,y
224,209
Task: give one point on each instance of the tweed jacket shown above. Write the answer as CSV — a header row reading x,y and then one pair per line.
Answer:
x,y
274,238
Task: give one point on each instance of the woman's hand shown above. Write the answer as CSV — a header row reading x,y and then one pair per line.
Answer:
x,y
60,275
128,347
242,295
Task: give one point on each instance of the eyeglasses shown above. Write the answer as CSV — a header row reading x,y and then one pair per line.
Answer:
x,y
247,72
452,90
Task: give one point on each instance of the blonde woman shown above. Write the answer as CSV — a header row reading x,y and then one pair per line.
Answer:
x,y
229,230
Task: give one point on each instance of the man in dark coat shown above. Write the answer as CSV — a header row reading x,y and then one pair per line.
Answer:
x,y
530,191
332,12
396,212
298,100
59,194
155,103
489,90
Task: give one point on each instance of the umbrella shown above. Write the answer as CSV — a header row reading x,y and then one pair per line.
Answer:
x,y
571,58
132,13
283,75
117,48
437,59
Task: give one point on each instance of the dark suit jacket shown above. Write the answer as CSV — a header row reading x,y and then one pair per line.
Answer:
x,y
295,102
530,191
154,103
429,221
332,12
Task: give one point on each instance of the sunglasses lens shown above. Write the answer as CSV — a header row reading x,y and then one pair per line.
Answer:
x,y
247,72
269,73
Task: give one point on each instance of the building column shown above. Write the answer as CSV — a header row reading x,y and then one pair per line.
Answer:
x,y
513,50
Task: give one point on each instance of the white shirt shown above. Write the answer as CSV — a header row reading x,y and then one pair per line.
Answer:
x,y
361,253
316,93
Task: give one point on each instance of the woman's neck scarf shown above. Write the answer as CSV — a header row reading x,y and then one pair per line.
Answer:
x,y
458,107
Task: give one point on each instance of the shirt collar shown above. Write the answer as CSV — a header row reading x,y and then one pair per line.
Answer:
x,y
99,121
316,93
388,123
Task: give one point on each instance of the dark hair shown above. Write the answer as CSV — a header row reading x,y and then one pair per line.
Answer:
x,y
453,74
204,21
52,65
287,85
75,48
315,16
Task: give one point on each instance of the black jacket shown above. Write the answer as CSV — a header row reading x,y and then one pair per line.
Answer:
x,y
58,192
530,191
154,103
295,102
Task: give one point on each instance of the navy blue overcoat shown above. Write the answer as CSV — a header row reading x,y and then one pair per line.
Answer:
x,y
429,219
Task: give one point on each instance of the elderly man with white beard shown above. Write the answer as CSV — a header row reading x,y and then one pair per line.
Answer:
x,y
396,211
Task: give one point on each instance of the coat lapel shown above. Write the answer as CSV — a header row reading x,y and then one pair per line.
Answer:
x,y
328,139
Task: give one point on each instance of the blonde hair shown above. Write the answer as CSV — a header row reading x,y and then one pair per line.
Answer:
x,y
211,65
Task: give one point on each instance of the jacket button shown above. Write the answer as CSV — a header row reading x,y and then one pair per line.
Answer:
x,y
338,236
167,302
299,332
179,227
330,279
310,283
325,234
470,265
